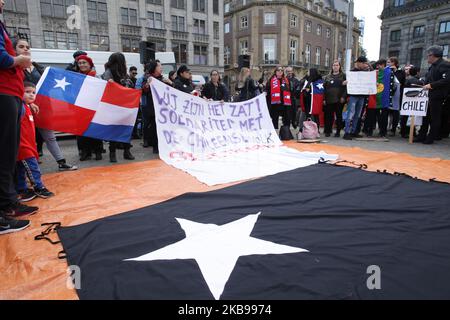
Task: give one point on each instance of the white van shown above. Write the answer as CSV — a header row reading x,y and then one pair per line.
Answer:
x,y
62,58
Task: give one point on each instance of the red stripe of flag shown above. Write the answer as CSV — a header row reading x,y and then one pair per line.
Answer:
x,y
62,116
120,96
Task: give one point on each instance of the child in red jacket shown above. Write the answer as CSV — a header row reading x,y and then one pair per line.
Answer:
x,y
27,159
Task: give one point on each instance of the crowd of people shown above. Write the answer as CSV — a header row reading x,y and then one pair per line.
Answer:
x,y
292,99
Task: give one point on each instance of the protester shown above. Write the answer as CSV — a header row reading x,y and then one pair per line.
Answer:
x,y
246,87
133,72
154,70
438,83
355,104
116,71
11,95
400,76
306,97
172,76
412,81
74,65
88,145
33,75
280,102
335,96
215,89
183,81
27,164
294,84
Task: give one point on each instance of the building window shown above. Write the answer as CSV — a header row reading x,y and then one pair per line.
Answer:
x,y
328,33
55,8
269,49
445,53
154,2
318,55
226,55
327,58
416,57
293,48
178,24
308,53
216,30
199,5
244,22
227,7
227,27
340,57
177,4
396,35
216,57
180,51
99,43
308,26
319,30
128,16
19,6
216,6
419,32
154,20
293,21
201,55
270,18
130,44
394,53
341,37
97,11
20,33
309,5
199,26
60,40
399,3
243,46
444,27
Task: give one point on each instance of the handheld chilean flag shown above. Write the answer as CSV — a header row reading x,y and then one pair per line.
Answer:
x,y
317,94
86,106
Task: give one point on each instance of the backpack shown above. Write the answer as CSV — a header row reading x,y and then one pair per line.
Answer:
x,y
310,131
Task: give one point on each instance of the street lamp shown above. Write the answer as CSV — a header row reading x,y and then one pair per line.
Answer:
x,y
348,56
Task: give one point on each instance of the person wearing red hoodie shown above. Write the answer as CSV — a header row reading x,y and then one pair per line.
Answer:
x,y
11,94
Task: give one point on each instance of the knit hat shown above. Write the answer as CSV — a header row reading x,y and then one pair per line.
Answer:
x,y
86,58
79,53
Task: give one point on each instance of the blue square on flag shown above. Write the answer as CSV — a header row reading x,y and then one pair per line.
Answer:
x,y
62,85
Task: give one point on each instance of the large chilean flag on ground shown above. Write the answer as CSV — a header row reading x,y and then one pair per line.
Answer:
x,y
86,106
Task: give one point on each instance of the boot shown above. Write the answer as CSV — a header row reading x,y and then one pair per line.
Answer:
x,y
85,156
112,157
127,154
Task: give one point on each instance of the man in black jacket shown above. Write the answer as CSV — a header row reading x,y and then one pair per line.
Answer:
x,y
438,83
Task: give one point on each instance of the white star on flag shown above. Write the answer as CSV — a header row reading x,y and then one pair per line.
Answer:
x,y
61,84
217,249
320,86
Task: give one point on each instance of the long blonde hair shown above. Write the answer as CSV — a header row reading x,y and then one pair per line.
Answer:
x,y
243,76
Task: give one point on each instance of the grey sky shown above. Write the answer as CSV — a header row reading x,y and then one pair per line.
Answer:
x,y
370,10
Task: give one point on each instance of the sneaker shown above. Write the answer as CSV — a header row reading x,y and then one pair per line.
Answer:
x,y
27,195
19,210
44,193
66,167
11,225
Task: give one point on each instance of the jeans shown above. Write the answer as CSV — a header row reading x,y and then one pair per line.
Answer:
x,y
354,108
28,168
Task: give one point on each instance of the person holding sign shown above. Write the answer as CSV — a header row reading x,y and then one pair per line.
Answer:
x,y
438,83
412,81
355,103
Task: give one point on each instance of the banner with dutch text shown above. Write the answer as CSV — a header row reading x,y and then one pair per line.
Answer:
x,y
220,142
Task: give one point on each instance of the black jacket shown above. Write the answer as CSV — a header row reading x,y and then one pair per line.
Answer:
x,y
183,84
334,88
150,105
216,93
412,80
439,77
33,77
248,91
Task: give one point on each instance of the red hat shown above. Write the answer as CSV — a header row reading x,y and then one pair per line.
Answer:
x,y
86,58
